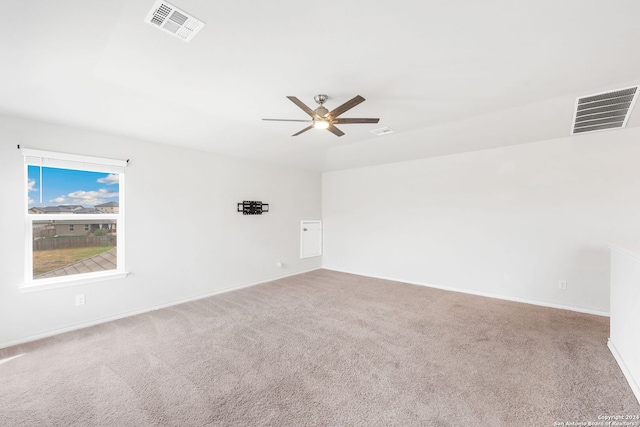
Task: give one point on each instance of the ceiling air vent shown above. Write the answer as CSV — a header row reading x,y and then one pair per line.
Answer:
x,y
169,18
604,111
381,131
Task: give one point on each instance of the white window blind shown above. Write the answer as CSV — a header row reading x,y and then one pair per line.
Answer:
x,y
72,161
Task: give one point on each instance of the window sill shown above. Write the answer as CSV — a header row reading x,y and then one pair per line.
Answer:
x,y
62,282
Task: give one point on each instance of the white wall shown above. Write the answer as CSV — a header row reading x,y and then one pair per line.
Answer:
x,y
508,222
184,237
625,316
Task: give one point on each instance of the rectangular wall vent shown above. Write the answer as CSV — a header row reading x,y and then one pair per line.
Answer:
x,y
174,21
603,111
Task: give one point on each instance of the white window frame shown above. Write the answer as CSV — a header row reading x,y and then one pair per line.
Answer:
x,y
34,157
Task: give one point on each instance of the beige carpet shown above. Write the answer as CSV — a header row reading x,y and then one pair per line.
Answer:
x,y
322,349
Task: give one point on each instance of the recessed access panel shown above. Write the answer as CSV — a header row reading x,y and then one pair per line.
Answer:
x,y
310,239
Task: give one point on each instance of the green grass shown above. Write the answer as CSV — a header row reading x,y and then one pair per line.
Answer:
x,y
52,259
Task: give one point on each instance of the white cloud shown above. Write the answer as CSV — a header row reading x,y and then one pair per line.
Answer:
x,y
31,201
59,200
110,179
31,185
90,198
103,193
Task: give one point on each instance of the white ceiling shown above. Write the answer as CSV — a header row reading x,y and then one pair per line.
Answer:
x,y
447,77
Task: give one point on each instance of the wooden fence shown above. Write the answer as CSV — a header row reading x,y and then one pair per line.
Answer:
x,y
73,242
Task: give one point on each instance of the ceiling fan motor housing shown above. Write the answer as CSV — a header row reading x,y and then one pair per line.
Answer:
x,y
321,111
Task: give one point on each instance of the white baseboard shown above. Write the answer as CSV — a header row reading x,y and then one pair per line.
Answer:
x,y
482,294
627,374
77,326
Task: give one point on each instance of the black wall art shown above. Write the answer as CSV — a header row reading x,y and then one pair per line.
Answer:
x,y
252,207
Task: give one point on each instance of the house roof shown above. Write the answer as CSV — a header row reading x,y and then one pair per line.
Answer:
x,y
447,77
64,209
58,209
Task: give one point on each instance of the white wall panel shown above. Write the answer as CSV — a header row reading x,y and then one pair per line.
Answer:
x,y
508,222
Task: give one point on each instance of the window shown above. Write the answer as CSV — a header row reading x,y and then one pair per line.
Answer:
x,y
75,218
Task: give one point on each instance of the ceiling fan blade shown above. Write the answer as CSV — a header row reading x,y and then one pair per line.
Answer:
x,y
287,120
346,106
349,121
304,108
303,130
334,130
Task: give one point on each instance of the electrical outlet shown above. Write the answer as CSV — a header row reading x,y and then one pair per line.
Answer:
x,y
562,284
280,264
80,299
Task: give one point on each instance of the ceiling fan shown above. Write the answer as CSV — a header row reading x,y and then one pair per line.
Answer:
x,y
324,119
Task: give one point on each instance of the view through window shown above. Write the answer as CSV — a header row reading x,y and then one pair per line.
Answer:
x,y
74,217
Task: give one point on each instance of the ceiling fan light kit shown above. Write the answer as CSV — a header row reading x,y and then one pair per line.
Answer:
x,y
322,118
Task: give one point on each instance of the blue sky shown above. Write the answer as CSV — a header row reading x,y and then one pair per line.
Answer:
x,y
71,187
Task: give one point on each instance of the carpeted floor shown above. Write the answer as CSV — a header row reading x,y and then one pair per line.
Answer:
x,y
322,349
